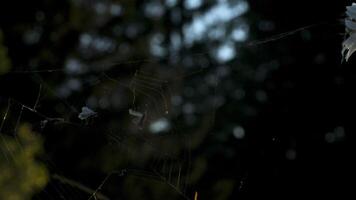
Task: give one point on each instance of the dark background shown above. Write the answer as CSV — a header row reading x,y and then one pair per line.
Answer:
x,y
297,109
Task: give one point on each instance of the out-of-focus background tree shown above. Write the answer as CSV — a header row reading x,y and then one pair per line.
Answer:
x,y
161,99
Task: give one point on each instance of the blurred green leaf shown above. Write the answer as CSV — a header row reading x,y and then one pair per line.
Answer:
x,y
21,175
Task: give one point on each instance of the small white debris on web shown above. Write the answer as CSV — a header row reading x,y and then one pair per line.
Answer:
x,y
349,45
135,113
43,123
139,117
86,113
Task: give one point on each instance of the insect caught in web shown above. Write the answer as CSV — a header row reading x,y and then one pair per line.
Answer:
x,y
86,113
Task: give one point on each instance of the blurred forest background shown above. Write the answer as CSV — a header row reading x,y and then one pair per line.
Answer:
x,y
169,99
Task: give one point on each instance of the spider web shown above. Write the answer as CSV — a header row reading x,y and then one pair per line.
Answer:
x,y
151,96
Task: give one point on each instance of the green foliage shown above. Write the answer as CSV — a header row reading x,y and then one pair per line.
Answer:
x,y
21,175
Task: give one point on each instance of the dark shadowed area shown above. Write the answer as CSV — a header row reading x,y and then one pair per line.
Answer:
x,y
175,99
